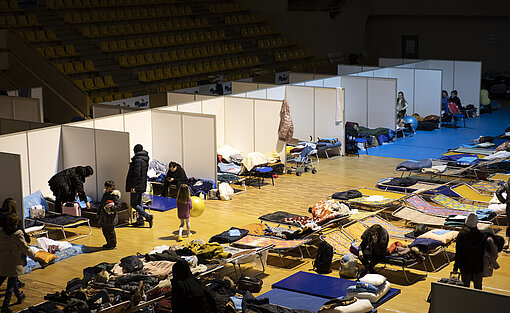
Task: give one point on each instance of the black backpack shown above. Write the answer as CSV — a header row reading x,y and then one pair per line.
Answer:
x,y
324,258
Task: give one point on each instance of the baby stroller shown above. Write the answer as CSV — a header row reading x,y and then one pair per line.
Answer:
x,y
301,161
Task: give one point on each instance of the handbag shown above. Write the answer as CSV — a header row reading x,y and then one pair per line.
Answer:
x,y
251,284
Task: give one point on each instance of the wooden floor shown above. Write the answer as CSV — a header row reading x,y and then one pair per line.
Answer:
x,y
290,193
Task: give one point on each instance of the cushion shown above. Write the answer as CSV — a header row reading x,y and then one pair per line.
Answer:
x,y
373,279
226,151
444,237
45,257
372,297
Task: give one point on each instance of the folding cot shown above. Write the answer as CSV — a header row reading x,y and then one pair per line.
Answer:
x,y
486,187
64,221
499,177
420,186
454,204
468,193
389,198
290,219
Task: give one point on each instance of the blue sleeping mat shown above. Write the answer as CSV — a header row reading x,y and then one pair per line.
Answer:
x,y
161,203
295,300
323,286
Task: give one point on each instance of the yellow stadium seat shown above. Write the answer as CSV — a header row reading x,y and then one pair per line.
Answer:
x,y
40,35
149,59
89,66
85,31
68,3
249,60
32,20
69,68
89,84
121,44
132,60
225,49
184,70
157,57
131,44
120,15
60,66
165,57
199,68
139,43
86,3
108,98
140,59
203,51
228,64
78,66
151,76
103,15
3,22
177,86
173,55
171,40
175,71
104,46
256,60
207,67
200,37
210,50
181,55
147,42
4,6
242,62
214,66
98,99
113,46
189,53
60,51
178,39
30,36
146,28
117,96
167,72
79,83
50,34
112,30
128,95
70,50
123,61
186,38
99,83
112,15
94,31
159,74
11,21
21,34
130,29
155,42
196,52
191,69
163,41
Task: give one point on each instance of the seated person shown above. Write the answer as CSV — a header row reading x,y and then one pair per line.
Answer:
x,y
455,99
175,177
373,247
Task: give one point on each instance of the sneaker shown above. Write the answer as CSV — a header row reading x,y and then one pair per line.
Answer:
x,y
190,234
150,219
179,238
21,284
21,297
139,223
107,247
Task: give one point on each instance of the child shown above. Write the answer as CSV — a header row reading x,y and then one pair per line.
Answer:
x,y
108,217
183,208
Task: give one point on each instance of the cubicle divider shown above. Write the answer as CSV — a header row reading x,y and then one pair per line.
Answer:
x,y
11,184
421,87
101,110
463,76
21,108
47,151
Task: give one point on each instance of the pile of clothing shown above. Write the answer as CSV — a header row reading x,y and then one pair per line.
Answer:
x,y
49,251
157,171
371,287
347,305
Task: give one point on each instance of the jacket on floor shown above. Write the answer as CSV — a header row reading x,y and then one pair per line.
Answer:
x,y
137,174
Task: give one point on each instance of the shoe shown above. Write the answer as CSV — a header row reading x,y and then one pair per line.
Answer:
x,y
150,219
107,247
6,310
21,297
179,238
507,240
20,284
190,234
139,223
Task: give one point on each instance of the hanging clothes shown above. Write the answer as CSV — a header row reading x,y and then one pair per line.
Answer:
x,y
286,127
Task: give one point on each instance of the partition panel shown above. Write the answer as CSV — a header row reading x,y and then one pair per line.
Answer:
x,y
9,126
328,111
467,80
315,83
193,107
266,122
239,124
333,82
115,122
365,74
356,89
265,86
27,109
216,107
239,87
390,62
45,155
447,68
382,94
84,124
405,83
105,110
422,64
178,98
18,144
300,77
276,93
427,92
298,84
79,149
199,145
112,153
239,95
167,137
344,70
301,103
257,94
382,72
139,127
11,185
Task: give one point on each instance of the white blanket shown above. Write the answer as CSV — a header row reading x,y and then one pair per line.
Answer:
x,y
253,159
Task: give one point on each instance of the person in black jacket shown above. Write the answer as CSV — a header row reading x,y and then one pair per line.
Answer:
x,y
188,294
68,183
373,247
469,252
501,193
176,176
136,183
107,215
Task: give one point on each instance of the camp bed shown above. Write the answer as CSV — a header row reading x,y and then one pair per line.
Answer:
x,y
468,193
499,177
420,186
415,216
389,198
454,204
63,222
486,187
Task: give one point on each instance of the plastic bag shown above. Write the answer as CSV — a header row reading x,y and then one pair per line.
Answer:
x,y
349,266
226,192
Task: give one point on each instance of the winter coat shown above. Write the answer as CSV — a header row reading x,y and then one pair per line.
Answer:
x,y
179,176
137,174
188,294
286,127
13,249
112,218
470,247
68,183
375,249
490,258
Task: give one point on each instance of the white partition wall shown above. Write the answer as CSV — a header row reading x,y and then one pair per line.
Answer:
x,y
216,107
17,144
115,122
261,93
266,122
199,146
315,83
11,184
382,108
333,82
239,120
467,81
301,100
300,77
177,98
344,70
238,87
167,137
427,92
405,83
356,99
329,119
192,107
276,93
139,127
45,155
447,68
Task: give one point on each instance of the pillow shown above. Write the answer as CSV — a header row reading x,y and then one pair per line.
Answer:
x,y
444,238
373,279
31,200
45,257
226,151
372,297
361,305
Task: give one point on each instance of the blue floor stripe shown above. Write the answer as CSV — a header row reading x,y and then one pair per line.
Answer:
x,y
431,144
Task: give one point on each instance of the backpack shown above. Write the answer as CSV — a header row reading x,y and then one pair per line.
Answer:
x,y
323,259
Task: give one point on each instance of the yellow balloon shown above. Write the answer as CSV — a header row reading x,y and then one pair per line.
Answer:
x,y
197,207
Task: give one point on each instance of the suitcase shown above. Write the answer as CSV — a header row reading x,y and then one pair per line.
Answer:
x,y
71,208
251,284
450,281
163,306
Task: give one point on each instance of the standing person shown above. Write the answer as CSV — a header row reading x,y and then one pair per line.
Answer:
x,y
373,247
401,106
136,183
176,176
188,294
470,247
505,188
183,208
13,249
68,183
108,217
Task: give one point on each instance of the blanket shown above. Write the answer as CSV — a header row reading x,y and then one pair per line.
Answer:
x,y
412,165
253,159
